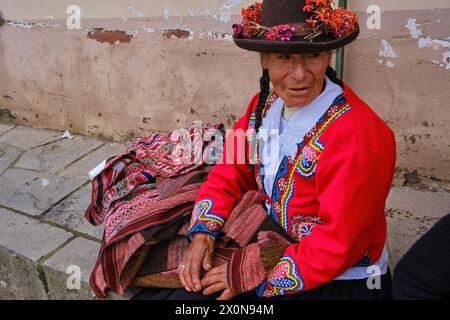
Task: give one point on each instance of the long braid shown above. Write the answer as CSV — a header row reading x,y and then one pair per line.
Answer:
x,y
332,75
264,84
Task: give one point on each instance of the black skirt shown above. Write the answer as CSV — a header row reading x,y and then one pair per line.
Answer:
x,y
334,290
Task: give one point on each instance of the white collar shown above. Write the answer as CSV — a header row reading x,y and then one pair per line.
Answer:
x,y
301,122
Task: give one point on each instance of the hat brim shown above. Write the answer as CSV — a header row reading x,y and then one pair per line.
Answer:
x,y
322,43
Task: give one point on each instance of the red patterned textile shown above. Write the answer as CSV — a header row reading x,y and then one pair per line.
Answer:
x,y
137,195
252,244
147,158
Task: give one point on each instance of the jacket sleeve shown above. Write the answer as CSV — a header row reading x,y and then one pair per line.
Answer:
x,y
226,183
352,187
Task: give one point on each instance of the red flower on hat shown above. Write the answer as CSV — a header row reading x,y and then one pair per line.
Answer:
x,y
251,27
325,19
342,21
251,17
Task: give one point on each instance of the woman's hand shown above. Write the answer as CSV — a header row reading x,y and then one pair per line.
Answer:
x,y
215,280
200,253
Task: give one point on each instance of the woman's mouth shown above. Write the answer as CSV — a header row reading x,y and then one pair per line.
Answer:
x,y
298,91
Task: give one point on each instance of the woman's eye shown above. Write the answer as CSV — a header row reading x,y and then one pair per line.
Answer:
x,y
314,55
284,57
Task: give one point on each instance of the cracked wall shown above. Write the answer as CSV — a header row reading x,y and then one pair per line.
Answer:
x,y
407,82
138,66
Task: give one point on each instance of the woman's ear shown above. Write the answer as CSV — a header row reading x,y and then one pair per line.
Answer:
x,y
263,58
330,56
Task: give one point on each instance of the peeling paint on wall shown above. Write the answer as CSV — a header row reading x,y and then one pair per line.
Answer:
x,y
428,42
178,33
112,37
413,28
210,35
446,60
20,24
224,10
445,63
386,53
434,43
29,25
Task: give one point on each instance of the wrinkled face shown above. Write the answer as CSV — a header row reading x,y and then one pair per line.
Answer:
x,y
297,78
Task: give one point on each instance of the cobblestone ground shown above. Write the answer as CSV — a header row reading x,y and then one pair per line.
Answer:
x,y
45,190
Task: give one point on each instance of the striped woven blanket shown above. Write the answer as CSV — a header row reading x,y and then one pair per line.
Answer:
x,y
146,201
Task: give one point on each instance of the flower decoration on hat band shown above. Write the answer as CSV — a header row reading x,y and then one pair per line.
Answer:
x,y
251,27
324,20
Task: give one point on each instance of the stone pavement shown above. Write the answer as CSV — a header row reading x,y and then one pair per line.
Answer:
x,y
44,190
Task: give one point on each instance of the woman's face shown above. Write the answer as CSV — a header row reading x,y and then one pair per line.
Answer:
x,y
297,78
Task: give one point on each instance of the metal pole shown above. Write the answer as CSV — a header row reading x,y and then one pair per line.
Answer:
x,y
340,52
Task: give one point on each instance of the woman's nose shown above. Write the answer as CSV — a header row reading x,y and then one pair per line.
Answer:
x,y
298,71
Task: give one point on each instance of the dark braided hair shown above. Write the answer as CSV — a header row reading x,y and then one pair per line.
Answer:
x,y
331,74
264,84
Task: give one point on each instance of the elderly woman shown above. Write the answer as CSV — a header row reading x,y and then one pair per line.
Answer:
x,y
325,164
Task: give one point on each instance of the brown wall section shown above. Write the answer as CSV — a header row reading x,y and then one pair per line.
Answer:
x,y
176,69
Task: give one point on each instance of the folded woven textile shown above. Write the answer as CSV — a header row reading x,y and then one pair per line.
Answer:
x,y
147,159
146,201
251,246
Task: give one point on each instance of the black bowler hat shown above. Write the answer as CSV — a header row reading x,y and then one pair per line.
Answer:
x,y
281,12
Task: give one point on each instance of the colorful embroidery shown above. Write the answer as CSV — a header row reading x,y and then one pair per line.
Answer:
x,y
253,144
271,98
201,214
285,199
308,156
284,279
302,226
304,229
251,127
306,163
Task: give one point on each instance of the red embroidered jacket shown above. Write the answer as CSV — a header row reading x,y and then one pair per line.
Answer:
x,y
330,198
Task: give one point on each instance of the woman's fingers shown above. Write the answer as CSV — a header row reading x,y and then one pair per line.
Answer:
x,y
226,295
200,252
196,262
219,269
186,276
210,279
207,260
181,268
216,287
192,270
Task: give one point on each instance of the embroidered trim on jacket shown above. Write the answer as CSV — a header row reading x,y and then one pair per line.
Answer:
x,y
284,279
204,221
